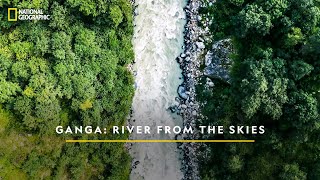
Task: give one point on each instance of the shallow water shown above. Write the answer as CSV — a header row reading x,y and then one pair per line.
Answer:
x,y
158,40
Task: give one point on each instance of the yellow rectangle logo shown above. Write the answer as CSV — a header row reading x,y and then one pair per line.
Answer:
x,y
15,14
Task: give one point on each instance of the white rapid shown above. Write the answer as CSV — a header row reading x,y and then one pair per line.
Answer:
x,y
158,40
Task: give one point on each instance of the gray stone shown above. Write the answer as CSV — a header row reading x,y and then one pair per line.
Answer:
x,y
182,92
173,108
200,45
217,60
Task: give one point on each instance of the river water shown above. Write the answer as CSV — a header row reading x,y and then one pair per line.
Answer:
x,y
158,40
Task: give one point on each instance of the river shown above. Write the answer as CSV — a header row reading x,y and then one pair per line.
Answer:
x,y
158,40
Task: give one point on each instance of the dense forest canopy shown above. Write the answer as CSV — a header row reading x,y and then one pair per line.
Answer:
x,y
275,82
70,70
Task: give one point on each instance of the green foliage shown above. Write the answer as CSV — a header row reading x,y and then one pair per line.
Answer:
x,y
300,69
253,20
7,90
116,15
275,83
292,171
262,87
237,2
70,70
294,37
235,164
59,17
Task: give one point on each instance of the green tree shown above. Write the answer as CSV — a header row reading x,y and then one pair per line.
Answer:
x,y
253,20
292,172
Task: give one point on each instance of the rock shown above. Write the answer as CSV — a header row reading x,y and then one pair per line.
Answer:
x,y
183,55
210,84
200,45
208,58
183,106
173,108
176,103
135,73
194,113
217,60
217,72
182,92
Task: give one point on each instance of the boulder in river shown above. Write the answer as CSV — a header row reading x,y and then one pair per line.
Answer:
x,y
182,92
173,108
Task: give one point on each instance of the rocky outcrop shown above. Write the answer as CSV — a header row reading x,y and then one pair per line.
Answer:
x,y
217,61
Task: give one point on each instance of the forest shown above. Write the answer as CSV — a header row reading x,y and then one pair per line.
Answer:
x,y
69,70
275,82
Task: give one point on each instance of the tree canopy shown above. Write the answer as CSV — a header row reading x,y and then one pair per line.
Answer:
x,y
275,82
70,70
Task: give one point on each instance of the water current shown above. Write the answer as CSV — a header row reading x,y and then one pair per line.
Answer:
x,y
158,40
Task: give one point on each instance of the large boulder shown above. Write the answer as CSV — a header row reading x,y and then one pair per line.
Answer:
x,y
217,60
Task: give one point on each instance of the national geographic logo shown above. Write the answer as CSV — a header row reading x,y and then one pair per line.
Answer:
x,y
15,14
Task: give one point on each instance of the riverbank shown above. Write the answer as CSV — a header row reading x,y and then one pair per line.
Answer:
x,y
189,108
